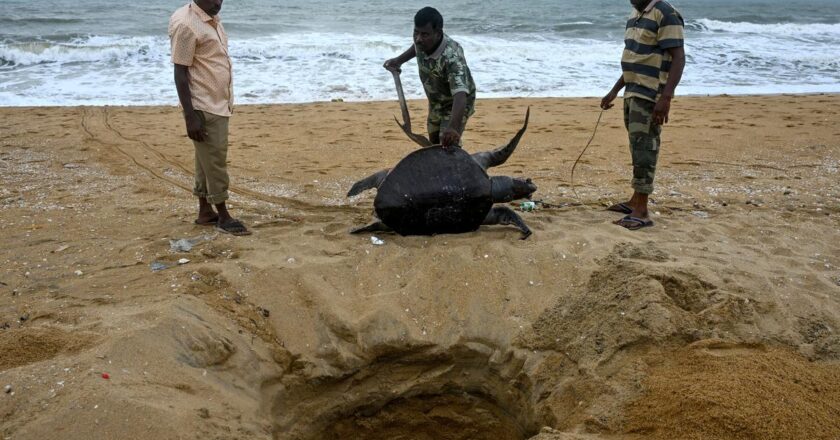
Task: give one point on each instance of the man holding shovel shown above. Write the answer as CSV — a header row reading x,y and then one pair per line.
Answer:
x,y
446,78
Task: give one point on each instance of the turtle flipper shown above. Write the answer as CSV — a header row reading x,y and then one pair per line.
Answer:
x,y
500,155
501,215
372,181
376,226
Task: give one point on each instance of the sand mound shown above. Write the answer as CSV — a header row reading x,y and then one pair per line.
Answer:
x,y
638,307
646,300
34,344
716,390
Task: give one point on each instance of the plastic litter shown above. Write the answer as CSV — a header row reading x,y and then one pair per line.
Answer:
x,y
528,206
157,266
183,245
376,241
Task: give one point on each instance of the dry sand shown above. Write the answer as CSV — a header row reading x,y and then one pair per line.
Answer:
x,y
721,322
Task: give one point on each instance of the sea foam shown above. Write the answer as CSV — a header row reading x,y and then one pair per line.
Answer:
x,y
723,57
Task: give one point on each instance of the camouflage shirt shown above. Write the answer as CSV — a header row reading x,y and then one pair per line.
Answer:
x,y
445,73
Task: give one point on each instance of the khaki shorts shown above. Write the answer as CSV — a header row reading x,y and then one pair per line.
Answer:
x,y
211,176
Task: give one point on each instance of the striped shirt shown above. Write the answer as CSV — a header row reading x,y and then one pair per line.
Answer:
x,y
645,61
199,42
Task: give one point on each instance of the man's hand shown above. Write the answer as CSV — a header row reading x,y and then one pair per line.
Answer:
x,y
392,65
450,138
195,127
607,101
661,109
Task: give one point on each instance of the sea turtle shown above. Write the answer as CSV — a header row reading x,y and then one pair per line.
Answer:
x,y
437,190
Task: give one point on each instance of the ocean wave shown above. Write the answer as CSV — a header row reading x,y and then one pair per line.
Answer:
x,y
91,49
39,20
766,29
306,67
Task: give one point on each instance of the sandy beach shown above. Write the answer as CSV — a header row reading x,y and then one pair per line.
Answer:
x,y
721,322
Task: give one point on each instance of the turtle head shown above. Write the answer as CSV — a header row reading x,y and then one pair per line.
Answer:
x,y
523,188
506,189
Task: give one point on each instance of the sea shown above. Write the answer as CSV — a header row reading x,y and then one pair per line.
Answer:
x,y
108,52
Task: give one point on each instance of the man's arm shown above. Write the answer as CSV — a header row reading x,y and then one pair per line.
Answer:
x,y
663,106
452,134
460,83
195,127
606,102
394,64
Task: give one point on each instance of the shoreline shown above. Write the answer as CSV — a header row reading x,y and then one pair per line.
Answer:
x,y
723,95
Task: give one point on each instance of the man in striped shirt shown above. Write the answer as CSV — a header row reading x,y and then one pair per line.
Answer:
x,y
652,65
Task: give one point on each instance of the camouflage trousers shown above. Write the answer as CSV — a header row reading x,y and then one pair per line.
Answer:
x,y
644,142
439,120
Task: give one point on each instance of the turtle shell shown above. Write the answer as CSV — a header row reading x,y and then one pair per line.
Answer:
x,y
434,191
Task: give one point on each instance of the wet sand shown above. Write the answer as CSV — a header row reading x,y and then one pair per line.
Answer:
x,y
720,322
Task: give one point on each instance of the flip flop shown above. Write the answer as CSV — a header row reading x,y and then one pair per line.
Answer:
x,y
208,223
233,227
621,207
634,223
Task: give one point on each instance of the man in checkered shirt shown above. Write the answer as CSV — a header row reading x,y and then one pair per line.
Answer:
x,y
204,80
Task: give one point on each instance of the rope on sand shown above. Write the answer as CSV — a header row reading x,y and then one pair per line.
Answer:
x,y
597,123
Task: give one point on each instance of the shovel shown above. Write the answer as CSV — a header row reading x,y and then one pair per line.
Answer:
x,y
406,125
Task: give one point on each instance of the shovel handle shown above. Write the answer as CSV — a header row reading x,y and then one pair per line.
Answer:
x,y
403,106
406,125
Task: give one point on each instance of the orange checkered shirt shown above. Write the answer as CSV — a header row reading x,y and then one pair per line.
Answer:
x,y
199,42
